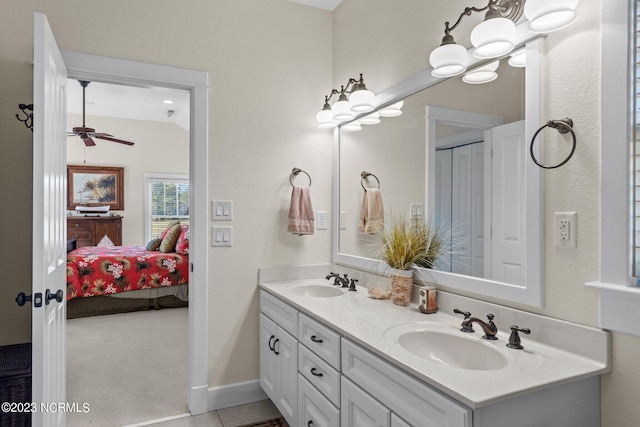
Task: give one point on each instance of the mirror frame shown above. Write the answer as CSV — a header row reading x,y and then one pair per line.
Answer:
x,y
532,292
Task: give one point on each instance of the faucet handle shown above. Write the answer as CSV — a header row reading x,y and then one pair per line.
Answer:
x,y
466,327
514,339
466,314
352,285
490,317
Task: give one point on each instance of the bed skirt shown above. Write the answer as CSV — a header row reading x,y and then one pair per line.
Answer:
x,y
135,301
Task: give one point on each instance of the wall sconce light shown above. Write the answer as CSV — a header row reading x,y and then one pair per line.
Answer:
x,y
495,35
360,100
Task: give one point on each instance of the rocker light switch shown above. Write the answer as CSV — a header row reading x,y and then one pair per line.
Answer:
x,y
221,236
222,210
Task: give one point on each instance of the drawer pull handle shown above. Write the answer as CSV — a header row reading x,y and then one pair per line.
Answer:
x,y
310,423
274,346
316,339
270,346
316,373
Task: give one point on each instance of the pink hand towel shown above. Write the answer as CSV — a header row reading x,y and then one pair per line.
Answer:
x,y
371,212
301,219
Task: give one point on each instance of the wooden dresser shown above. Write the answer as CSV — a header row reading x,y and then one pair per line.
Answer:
x,y
89,230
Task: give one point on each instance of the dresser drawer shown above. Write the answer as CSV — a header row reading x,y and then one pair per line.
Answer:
x,y
281,313
76,225
320,374
320,340
314,409
413,401
78,233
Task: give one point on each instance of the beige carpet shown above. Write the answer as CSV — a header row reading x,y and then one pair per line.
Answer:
x,y
129,367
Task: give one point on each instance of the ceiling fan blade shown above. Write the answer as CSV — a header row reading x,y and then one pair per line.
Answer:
x,y
88,141
107,138
99,134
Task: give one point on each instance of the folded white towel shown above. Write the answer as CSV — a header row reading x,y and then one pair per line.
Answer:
x,y
301,219
371,212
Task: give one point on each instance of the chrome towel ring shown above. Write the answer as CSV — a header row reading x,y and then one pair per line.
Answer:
x,y
563,126
296,172
364,175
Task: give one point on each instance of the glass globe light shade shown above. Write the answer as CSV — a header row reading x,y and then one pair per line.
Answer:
x,y
362,101
485,74
448,60
518,58
546,16
342,110
392,110
371,119
493,37
353,126
325,119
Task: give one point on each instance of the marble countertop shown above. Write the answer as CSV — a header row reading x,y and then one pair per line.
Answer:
x,y
370,323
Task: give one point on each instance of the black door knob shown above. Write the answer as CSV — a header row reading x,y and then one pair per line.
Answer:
x,y
22,299
58,296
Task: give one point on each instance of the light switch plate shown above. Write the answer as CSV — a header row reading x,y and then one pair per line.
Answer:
x,y
322,220
222,210
221,236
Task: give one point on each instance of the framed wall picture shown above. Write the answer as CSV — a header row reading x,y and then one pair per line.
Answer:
x,y
95,186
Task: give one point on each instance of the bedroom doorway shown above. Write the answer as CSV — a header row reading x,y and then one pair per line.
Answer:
x,y
111,70
127,331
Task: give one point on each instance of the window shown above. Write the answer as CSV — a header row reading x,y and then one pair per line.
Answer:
x,y
167,199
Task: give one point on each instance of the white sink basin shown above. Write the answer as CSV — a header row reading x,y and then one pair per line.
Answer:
x,y
447,347
317,291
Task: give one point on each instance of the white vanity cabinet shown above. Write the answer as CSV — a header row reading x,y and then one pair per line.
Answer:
x,y
279,356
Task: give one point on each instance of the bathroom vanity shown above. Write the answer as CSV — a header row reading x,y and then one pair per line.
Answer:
x,y
331,357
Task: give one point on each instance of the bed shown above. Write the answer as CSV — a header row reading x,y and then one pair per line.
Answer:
x,y
118,279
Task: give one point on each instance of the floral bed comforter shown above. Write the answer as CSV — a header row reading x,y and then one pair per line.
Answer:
x,y
93,270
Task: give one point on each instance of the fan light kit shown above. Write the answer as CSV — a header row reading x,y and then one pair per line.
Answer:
x,y
87,134
494,36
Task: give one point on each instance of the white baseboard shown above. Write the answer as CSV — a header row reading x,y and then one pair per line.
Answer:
x,y
235,394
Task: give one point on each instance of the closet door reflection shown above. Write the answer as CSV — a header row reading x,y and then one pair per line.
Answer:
x,y
459,192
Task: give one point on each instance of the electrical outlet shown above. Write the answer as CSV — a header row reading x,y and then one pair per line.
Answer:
x,y
565,229
343,220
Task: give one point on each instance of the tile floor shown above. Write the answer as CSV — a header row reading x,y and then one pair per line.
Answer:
x,y
228,417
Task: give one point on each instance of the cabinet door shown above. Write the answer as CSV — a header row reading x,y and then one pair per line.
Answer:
x,y
109,228
268,359
286,350
358,409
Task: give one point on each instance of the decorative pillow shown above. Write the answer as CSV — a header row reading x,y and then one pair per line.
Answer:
x,y
166,230
169,241
105,241
154,244
182,245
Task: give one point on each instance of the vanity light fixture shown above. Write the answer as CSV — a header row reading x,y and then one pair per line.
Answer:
x,y
483,74
494,36
371,119
353,126
392,110
518,58
354,98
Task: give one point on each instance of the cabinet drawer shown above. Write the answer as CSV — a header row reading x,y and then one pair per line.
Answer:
x,y
320,339
314,409
413,401
280,312
78,225
79,233
359,409
320,374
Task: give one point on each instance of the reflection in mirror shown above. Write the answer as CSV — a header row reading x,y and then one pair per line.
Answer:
x,y
435,161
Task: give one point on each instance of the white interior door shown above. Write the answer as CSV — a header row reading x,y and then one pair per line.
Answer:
x,y
49,235
442,208
508,213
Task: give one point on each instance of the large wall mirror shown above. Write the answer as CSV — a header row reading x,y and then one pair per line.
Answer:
x,y
458,156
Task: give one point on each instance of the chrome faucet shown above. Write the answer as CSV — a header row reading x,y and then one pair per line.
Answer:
x,y
337,280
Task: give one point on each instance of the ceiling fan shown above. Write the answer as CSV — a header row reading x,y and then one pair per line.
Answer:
x,y
87,134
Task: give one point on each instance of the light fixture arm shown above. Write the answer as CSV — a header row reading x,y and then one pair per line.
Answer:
x,y
344,89
510,9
